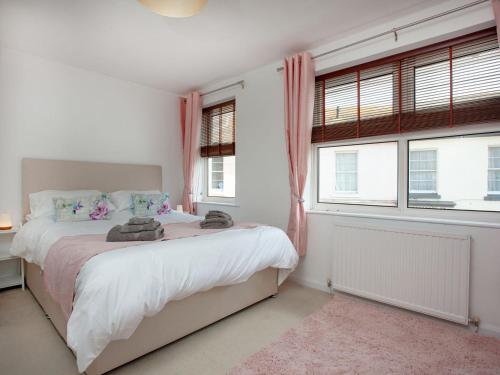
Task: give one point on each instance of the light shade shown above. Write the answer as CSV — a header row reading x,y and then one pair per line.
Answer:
x,y
5,222
174,8
180,208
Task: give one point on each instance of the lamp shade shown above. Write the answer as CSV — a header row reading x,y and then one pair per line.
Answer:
x,y
180,208
5,222
174,8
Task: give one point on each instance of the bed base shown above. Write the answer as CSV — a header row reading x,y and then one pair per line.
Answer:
x,y
176,320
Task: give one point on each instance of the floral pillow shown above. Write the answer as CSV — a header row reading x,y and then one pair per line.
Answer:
x,y
150,204
96,207
72,209
101,207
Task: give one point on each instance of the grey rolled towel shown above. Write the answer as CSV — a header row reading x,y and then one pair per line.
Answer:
x,y
134,228
216,223
114,235
218,214
140,220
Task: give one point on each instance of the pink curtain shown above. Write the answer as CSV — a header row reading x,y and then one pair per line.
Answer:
x,y
299,103
496,11
190,110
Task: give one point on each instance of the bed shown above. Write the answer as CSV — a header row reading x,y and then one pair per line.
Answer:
x,y
206,293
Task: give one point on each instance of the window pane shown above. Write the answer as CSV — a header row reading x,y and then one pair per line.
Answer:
x,y
221,176
358,174
475,76
376,96
341,103
432,85
376,99
459,173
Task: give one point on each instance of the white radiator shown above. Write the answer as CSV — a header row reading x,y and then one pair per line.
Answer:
x,y
424,272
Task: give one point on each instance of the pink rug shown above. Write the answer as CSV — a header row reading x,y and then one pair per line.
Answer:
x,y
351,336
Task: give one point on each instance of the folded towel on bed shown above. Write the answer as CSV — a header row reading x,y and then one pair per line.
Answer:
x,y
134,228
218,214
140,220
216,223
115,235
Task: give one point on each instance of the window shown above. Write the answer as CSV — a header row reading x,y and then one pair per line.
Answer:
x,y
221,177
463,170
423,172
346,172
494,171
434,88
451,83
218,148
365,174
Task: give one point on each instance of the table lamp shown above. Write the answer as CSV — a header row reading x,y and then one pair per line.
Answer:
x,y
180,208
5,222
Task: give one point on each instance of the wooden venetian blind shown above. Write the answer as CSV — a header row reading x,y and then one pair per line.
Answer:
x,y
452,83
217,130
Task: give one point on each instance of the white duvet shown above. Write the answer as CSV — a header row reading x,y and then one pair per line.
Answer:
x,y
116,290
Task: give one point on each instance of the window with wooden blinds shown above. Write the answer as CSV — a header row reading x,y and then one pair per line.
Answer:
x,y
218,130
451,83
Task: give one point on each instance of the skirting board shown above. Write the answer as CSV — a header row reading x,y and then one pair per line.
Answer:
x,y
484,328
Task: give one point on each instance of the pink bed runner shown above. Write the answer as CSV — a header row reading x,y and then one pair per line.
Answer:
x,y
68,255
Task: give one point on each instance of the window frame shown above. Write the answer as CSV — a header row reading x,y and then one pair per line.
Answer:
x,y
204,166
205,197
211,179
323,205
458,216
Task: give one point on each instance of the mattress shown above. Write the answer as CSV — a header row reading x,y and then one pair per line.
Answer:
x,y
115,290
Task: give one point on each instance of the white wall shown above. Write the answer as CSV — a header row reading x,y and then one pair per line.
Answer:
x,y
51,110
262,191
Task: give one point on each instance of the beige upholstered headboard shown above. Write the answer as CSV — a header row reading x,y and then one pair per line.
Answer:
x,y
43,174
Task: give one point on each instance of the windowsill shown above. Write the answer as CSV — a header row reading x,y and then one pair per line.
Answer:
x,y
492,197
228,204
424,196
467,223
416,203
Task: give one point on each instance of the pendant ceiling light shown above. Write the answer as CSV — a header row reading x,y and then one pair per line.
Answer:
x,y
174,8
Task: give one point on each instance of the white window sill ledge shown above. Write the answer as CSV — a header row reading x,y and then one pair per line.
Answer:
x,y
483,224
227,204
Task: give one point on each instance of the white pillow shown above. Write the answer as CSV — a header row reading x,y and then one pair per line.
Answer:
x,y
122,199
42,203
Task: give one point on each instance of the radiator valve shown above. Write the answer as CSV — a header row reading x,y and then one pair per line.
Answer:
x,y
474,320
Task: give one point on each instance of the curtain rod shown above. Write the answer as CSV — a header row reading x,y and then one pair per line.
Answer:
x,y
239,83
396,29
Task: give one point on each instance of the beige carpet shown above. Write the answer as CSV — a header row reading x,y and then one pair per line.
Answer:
x,y
30,345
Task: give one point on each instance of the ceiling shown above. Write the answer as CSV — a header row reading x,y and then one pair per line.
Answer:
x,y
120,38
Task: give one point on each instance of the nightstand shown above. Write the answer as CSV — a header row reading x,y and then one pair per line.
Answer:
x,y
11,267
